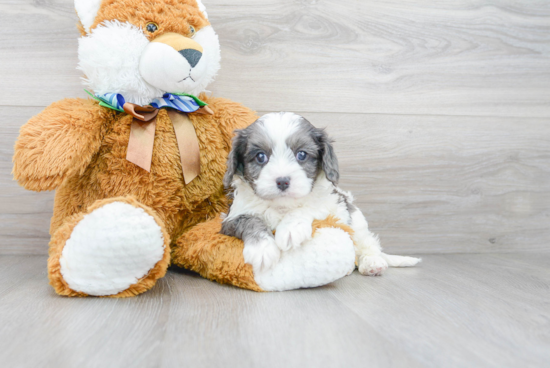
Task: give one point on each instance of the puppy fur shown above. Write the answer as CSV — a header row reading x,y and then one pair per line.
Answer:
x,y
284,175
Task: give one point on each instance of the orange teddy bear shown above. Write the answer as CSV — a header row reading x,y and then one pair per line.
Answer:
x,y
138,169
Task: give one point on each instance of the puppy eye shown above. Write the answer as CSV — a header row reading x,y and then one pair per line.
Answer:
x,y
152,27
191,31
301,156
261,158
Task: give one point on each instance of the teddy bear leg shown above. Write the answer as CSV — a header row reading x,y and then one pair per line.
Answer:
x,y
214,256
328,256
118,248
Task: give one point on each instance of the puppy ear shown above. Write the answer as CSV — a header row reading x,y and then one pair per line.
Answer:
x,y
235,161
87,11
329,161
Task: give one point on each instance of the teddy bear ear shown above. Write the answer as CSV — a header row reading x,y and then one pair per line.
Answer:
x,y
87,11
202,8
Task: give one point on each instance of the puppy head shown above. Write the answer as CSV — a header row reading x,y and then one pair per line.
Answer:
x,y
281,155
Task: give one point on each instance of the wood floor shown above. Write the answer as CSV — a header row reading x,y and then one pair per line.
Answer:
x,y
490,310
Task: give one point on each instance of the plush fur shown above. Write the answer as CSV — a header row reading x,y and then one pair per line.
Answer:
x,y
91,259
78,148
116,53
91,165
219,258
59,240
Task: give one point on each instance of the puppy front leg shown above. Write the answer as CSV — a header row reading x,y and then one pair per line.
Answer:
x,y
260,249
368,252
294,229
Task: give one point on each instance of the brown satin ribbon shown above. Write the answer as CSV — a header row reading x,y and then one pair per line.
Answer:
x,y
188,144
142,134
142,138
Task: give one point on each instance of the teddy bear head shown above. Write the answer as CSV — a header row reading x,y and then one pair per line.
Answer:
x,y
143,49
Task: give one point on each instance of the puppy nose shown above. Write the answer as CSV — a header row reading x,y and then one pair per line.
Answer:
x,y
192,56
283,183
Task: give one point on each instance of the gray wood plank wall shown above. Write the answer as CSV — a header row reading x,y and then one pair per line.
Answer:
x,y
441,110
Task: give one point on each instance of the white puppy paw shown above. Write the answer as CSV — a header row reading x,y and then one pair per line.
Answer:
x,y
372,265
262,254
292,233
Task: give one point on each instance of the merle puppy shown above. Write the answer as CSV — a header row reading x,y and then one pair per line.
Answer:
x,y
284,174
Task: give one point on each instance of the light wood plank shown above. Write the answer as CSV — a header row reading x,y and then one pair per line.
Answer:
x,y
310,327
39,42
447,184
460,310
407,57
426,183
78,332
24,215
452,311
185,320
15,270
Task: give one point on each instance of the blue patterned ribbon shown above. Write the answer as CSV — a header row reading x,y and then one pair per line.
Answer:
x,y
182,102
140,150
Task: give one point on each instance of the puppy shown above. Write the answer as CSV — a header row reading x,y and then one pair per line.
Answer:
x,y
284,174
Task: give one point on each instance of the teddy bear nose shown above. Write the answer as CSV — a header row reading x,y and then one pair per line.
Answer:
x,y
283,183
192,56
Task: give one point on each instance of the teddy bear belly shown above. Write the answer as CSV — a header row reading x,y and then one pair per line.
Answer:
x,y
110,175
164,197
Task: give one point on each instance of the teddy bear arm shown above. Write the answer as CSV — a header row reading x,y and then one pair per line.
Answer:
x,y
58,142
231,115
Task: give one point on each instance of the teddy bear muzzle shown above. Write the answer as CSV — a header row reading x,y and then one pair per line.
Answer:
x,y
186,47
172,62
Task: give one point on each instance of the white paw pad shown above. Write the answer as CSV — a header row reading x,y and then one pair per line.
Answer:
x,y
261,254
372,266
111,249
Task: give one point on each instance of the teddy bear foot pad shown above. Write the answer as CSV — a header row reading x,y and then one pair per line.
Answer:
x,y
327,257
118,248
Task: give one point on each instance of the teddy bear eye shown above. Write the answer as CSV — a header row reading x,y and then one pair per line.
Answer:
x,y
152,27
191,31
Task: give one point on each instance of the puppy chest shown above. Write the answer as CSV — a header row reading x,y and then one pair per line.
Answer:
x,y
274,215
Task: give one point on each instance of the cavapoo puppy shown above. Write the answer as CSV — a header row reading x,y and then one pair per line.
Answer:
x,y
284,174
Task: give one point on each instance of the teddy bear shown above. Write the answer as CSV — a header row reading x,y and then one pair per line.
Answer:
x,y
138,168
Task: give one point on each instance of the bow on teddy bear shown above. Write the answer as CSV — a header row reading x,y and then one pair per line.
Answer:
x,y
118,225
